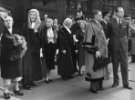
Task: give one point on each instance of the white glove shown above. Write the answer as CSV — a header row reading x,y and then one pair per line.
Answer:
x,y
75,39
64,51
83,70
41,53
107,41
57,51
98,54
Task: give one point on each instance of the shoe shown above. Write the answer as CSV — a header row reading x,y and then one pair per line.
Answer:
x,y
6,96
101,89
27,87
70,77
128,87
48,81
33,84
94,91
115,84
18,93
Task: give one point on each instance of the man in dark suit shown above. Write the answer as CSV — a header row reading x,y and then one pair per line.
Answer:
x,y
118,27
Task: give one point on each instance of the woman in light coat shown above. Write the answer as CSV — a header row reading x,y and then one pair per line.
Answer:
x,y
95,37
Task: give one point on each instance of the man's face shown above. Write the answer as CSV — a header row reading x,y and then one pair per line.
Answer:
x,y
99,16
79,14
120,12
49,23
45,17
70,24
107,17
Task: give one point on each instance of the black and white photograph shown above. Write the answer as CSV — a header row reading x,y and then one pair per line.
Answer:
x,y
67,49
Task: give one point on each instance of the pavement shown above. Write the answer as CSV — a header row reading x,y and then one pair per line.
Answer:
x,y
78,89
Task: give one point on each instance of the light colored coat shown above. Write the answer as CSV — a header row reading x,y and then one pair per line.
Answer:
x,y
95,28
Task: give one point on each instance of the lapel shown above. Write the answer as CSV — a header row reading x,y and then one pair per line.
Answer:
x,y
65,31
66,34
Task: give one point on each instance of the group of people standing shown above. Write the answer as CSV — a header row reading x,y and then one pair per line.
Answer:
x,y
77,43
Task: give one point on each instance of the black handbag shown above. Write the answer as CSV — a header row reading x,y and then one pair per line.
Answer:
x,y
100,63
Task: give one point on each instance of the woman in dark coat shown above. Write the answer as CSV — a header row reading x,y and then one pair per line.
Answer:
x,y
77,51
13,49
65,42
31,62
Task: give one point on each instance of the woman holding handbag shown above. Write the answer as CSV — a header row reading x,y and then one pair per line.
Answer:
x,y
95,48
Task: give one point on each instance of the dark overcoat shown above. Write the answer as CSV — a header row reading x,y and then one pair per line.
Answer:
x,y
10,67
65,62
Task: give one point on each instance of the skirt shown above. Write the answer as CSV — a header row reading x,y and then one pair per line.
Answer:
x,y
11,69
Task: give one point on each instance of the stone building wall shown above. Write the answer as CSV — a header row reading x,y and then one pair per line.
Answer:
x,y
59,9
55,8
106,5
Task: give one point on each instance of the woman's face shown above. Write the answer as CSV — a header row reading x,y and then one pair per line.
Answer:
x,y
99,16
82,25
33,16
107,17
8,22
49,23
3,15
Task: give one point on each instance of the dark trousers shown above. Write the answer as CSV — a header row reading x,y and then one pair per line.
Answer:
x,y
120,57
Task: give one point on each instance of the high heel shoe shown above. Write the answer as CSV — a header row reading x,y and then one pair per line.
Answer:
x,y
94,91
27,87
48,81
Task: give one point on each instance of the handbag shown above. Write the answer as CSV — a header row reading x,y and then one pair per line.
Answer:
x,y
100,63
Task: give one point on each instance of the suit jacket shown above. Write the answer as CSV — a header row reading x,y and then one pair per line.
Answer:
x,y
118,35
